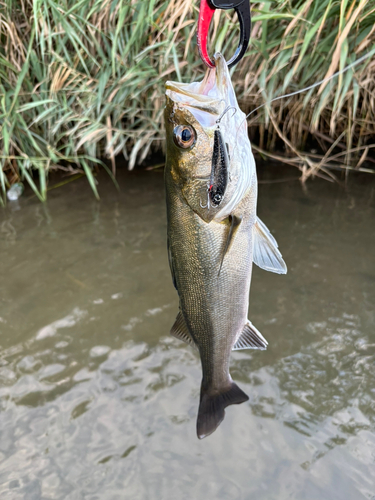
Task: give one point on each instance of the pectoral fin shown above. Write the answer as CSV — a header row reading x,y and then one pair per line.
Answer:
x,y
250,338
170,260
266,254
233,228
180,330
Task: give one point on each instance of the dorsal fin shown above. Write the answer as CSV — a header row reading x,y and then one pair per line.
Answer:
x,y
235,222
250,338
180,330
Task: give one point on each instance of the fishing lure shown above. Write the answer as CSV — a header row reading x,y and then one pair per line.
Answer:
x,y
219,166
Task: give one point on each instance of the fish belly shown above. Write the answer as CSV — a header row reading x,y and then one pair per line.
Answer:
x,y
214,304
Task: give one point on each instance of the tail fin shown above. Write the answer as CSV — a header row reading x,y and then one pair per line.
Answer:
x,y
211,409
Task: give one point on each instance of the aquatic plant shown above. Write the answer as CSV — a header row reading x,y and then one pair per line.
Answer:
x,y
80,81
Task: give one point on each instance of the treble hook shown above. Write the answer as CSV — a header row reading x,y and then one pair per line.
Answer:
x,y
208,198
224,112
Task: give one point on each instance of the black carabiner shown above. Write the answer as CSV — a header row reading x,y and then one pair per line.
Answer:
x,y
206,11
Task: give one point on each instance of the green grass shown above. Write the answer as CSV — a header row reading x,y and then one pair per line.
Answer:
x,y
83,80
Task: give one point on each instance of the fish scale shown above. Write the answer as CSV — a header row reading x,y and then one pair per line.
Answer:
x,y
212,246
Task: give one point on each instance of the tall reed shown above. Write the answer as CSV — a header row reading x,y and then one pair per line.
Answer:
x,y
82,80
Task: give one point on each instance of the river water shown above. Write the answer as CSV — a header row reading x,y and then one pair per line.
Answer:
x,y
98,402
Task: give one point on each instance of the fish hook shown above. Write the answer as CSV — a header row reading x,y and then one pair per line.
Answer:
x,y
224,112
208,198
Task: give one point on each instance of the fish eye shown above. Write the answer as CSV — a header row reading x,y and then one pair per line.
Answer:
x,y
184,136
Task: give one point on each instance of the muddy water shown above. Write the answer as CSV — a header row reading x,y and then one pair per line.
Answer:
x,y
97,402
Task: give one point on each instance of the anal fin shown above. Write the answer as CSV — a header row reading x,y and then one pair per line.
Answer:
x,y
250,338
180,330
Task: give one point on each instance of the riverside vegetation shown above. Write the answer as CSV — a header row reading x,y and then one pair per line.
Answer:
x,y
82,81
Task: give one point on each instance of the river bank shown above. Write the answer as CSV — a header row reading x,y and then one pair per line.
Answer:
x,y
85,80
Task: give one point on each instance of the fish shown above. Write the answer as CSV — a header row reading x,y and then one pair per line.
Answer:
x,y
213,232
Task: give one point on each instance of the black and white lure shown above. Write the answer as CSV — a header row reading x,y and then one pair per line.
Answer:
x,y
219,165
219,170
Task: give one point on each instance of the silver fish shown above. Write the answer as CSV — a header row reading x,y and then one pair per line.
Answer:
x,y
214,234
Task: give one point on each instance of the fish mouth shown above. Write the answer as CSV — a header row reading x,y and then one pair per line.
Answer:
x,y
216,79
207,99
212,86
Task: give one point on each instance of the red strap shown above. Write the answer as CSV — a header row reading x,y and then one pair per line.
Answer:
x,y
205,15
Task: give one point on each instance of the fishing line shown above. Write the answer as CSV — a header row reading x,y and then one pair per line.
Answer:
x,y
291,94
358,61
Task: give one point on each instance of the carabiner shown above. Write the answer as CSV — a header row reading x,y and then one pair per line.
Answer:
x,y
206,11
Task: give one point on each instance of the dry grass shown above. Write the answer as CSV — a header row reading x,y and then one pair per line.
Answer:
x,y
82,80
